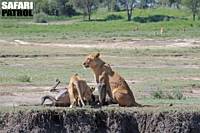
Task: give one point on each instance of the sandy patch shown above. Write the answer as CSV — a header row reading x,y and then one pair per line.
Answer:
x,y
129,43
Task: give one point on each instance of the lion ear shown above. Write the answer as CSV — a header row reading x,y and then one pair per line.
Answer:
x,y
97,55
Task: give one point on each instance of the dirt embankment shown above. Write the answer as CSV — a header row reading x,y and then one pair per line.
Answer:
x,y
99,121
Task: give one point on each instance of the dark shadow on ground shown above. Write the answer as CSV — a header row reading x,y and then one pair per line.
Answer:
x,y
108,18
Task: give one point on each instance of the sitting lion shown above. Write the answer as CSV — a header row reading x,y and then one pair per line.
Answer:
x,y
79,91
109,82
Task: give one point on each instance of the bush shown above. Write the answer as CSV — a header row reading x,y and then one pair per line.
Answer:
x,y
40,18
55,7
68,10
154,18
178,94
24,78
175,94
113,17
158,94
116,8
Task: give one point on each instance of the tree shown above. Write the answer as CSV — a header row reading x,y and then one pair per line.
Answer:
x,y
65,8
175,3
170,3
87,6
178,3
129,6
163,2
194,6
110,4
54,7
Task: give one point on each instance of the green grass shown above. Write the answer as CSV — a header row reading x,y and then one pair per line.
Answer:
x,y
165,71
184,106
84,30
95,30
102,13
187,101
151,68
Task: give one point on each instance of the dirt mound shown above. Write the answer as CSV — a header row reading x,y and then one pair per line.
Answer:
x,y
99,121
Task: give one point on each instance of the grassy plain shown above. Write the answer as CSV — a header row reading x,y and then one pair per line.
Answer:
x,y
176,24
147,68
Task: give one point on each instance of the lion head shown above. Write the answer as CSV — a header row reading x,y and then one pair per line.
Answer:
x,y
92,61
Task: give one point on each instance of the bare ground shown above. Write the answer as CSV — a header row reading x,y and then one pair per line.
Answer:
x,y
116,43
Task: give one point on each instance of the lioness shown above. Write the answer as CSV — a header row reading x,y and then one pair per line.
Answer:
x,y
62,99
109,82
79,91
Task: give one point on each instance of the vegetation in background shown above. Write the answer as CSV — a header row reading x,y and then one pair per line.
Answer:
x,y
194,6
113,17
87,6
129,6
40,18
146,23
55,7
71,8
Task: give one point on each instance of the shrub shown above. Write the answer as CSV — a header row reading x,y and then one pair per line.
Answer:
x,y
175,94
116,8
40,18
24,78
169,95
154,18
113,17
178,94
158,94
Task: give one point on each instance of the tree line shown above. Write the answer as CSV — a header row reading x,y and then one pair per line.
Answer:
x,y
87,7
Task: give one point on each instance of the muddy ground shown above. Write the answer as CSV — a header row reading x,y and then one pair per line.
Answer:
x,y
99,121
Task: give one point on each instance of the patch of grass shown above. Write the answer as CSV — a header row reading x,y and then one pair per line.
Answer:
x,y
113,17
24,78
175,94
178,94
79,30
158,94
182,102
161,71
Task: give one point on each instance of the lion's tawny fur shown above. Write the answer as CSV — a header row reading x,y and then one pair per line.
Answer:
x,y
117,88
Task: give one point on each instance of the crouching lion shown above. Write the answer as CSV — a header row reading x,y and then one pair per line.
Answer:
x,y
79,91
109,82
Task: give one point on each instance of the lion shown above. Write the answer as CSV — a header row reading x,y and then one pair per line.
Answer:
x,y
110,82
79,91
62,99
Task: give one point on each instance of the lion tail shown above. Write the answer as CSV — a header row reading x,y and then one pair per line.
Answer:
x,y
137,105
140,105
